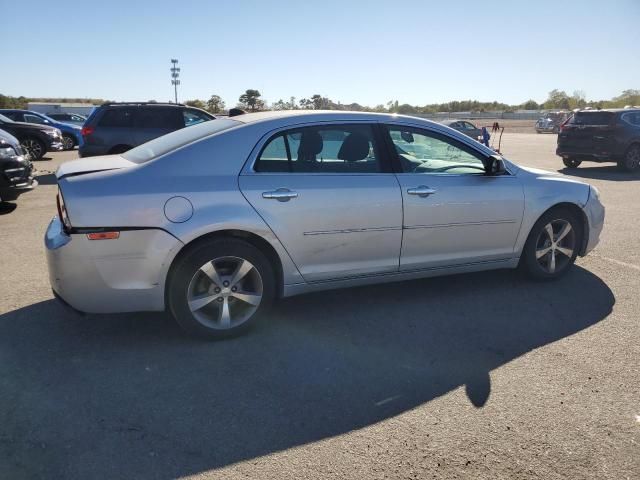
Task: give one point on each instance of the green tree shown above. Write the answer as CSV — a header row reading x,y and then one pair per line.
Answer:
x,y
196,104
557,99
251,100
530,105
215,104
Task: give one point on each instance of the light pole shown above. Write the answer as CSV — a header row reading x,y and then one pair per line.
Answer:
x,y
175,73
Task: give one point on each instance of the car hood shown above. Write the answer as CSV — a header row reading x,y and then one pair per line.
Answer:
x,y
92,165
547,175
31,126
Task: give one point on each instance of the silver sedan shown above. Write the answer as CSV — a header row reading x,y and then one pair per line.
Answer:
x,y
216,221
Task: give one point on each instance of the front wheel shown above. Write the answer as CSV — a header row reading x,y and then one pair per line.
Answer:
x,y
221,288
68,142
34,148
552,245
631,161
571,162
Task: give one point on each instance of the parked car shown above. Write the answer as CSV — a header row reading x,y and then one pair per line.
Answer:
x,y
468,128
551,121
15,169
35,139
73,118
215,221
118,127
611,135
71,134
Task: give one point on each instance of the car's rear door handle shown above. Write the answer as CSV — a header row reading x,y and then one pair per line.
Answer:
x,y
281,194
422,191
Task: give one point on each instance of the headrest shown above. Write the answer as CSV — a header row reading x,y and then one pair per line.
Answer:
x,y
355,147
310,145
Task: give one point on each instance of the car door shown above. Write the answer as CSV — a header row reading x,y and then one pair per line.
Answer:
x,y
328,195
454,213
153,122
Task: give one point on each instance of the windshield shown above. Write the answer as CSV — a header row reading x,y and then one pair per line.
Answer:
x,y
167,143
5,119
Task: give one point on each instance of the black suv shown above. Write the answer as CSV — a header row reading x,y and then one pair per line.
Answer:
x,y
35,139
15,170
611,135
117,127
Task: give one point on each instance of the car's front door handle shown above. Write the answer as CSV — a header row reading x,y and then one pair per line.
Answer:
x,y
422,191
281,194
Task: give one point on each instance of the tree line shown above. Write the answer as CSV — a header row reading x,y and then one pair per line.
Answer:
x,y
251,100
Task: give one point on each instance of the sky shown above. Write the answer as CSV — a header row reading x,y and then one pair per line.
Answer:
x,y
369,52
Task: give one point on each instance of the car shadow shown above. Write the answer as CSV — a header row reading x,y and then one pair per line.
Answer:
x,y
46,178
115,396
603,172
6,207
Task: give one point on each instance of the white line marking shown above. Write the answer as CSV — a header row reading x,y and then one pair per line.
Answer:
x,y
617,262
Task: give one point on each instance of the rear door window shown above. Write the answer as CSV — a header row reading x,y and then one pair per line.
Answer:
x,y
323,149
592,118
116,118
169,118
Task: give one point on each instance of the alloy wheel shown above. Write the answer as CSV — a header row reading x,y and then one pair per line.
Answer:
x,y
632,159
225,292
33,148
67,142
555,246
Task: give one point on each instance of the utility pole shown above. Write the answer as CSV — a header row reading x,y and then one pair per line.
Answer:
x,y
175,73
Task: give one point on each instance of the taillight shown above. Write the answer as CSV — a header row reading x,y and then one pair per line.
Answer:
x,y
565,125
86,131
62,212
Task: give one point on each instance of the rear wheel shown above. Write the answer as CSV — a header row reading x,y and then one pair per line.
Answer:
x,y
631,161
35,148
221,288
68,142
571,162
552,246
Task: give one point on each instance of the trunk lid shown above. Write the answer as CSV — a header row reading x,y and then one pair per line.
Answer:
x,y
92,165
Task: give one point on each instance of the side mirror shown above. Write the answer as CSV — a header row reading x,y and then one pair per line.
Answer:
x,y
496,165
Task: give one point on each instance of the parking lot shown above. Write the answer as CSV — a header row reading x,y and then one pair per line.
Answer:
x,y
483,375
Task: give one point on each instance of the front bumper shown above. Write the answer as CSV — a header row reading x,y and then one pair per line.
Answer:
x,y
55,146
16,178
595,212
110,276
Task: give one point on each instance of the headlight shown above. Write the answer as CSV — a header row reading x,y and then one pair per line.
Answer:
x,y
52,133
6,151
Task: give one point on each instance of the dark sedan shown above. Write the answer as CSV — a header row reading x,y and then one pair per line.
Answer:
x,y
16,172
35,140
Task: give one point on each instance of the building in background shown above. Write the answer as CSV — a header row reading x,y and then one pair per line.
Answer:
x,y
58,107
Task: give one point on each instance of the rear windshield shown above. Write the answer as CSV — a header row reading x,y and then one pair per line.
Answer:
x,y
167,143
592,118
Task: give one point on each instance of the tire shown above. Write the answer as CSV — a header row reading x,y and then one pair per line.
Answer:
x,y
34,147
68,142
208,300
571,162
540,259
631,160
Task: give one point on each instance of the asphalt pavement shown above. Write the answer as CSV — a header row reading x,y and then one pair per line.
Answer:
x,y
484,376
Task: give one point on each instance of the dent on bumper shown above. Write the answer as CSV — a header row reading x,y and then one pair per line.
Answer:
x,y
108,276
